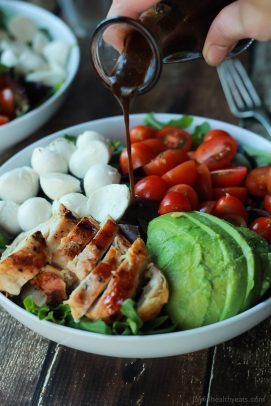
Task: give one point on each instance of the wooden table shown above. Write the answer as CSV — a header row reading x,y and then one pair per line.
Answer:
x,y
35,371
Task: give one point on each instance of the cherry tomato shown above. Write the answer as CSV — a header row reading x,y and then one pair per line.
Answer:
x,y
7,103
141,155
256,181
189,192
183,173
204,183
229,177
210,135
3,119
175,138
165,161
151,187
216,153
268,180
267,203
191,155
229,205
235,220
174,201
239,192
207,207
262,226
156,145
141,133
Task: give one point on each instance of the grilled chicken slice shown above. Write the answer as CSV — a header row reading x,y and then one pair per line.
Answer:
x,y
123,283
71,245
85,262
154,295
93,285
23,264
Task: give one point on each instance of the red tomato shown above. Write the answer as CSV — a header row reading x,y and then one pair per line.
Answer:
x,y
256,181
189,192
3,119
240,192
216,153
151,187
156,145
165,161
141,133
210,135
174,201
175,138
267,203
183,173
207,207
230,205
204,183
191,155
268,180
229,177
235,220
7,102
262,226
141,155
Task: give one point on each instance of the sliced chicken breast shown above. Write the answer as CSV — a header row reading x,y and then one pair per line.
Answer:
x,y
85,262
155,294
23,264
123,284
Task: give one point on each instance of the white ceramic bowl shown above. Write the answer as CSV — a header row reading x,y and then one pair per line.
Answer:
x,y
21,127
139,346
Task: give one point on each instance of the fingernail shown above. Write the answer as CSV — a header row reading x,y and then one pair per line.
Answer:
x,y
215,54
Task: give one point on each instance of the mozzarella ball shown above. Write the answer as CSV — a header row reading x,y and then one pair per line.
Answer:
x,y
109,200
88,136
96,152
56,52
22,28
9,217
29,61
100,175
33,212
44,160
63,147
56,185
19,184
77,203
40,40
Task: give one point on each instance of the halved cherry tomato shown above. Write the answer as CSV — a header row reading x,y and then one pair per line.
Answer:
x,y
268,180
3,119
217,153
174,201
262,226
229,177
204,183
183,173
151,187
191,155
175,138
207,207
156,145
210,135
165,161
229,205
141,155
141,133
7,102
239,192
267,203
189,192
256,181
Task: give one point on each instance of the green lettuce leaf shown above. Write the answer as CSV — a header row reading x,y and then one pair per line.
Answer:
x,y
262,158
199,133
183,122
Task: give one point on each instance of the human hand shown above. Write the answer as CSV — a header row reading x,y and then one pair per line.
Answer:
x,y
241,19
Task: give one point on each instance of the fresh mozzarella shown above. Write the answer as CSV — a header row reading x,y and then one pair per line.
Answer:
x,y
56,51
49,77
109,200
77,203
63,147
40,40
33,212
19,184
22,28
9,217
56,185
100,175
96,152
88,136
29,61
44,160
8,58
